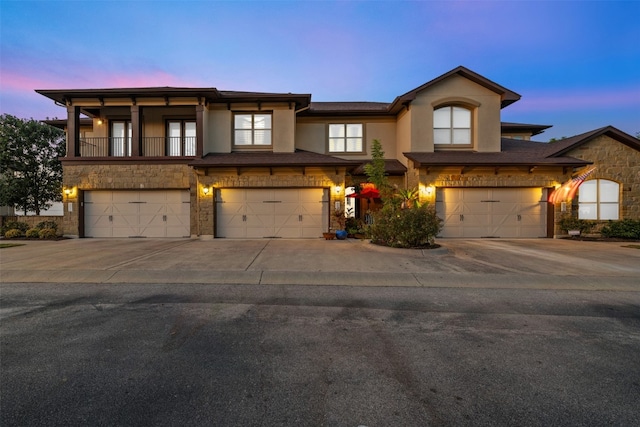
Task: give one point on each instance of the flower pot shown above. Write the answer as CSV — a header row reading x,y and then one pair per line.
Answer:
x,y
329,236
341,234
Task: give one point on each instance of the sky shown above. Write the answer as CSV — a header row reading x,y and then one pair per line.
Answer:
x,y
576,64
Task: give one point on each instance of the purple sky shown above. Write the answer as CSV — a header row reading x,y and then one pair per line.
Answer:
x,y
575,63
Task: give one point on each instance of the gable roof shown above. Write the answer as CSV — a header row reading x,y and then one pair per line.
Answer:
x,y
563,146
508,97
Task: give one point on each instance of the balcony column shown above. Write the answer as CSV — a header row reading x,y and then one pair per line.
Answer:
x,y
199,130
73,131
136,131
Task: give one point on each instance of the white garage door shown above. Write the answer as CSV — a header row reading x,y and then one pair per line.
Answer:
x,y
492,212
258,213
137,213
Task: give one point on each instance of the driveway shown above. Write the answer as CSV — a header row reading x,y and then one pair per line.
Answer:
x,y
530,263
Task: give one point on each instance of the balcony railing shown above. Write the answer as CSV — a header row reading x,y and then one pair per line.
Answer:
x,y
154,146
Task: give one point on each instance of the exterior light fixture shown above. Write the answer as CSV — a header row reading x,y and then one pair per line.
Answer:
x,y
100,121
338,189
67,191
205,190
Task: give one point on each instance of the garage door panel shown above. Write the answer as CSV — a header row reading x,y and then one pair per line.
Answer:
x,y
271,213
492,212
137,213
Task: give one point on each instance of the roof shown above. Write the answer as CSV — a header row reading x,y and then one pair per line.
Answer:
x,y
347,108
391,167
563,146
508,97
514,153
523,127
270,159
210,94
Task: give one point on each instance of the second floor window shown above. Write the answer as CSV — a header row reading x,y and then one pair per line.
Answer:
x,y
252,130
345,138
181,138
452,126
120,141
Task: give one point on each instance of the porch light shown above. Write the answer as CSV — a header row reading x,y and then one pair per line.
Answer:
x,y
338,189
205,190
100,121
67,191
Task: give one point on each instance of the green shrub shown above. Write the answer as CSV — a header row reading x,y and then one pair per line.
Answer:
x,y
568,222
15,225
405,228
48,233
47,224
13,233
624,229
33,233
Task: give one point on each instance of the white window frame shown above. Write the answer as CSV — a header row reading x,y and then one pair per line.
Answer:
x,y
598,204
120,145
253,131
342,139
181,144
452,126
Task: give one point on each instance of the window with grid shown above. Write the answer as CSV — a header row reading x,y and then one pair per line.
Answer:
x,y
452,126
345,138
252,130
599,199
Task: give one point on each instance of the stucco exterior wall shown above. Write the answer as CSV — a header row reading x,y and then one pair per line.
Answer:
x,y
457,89
616,162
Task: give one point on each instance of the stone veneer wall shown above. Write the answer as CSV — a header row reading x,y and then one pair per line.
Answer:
x,y
616,162
264,178
121,177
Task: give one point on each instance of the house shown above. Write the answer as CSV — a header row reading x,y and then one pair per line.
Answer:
x,y
202,162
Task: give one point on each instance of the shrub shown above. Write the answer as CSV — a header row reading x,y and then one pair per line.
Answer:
x,y
48,233
624,229
568,222
15,225
47,224
405,228
13,233
33,233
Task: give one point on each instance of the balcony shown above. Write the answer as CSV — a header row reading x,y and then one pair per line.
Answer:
x,y
150,146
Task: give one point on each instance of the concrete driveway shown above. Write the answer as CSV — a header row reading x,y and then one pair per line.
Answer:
x,y
494,263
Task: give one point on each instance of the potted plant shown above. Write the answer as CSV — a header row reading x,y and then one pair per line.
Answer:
x,y
574,226
341,233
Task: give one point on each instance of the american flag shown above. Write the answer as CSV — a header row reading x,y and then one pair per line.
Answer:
x,y
569,188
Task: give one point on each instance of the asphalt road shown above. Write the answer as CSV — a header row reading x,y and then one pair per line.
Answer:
x,y
266,355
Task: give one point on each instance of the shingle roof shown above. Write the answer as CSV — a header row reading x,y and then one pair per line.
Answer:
x,y
347,108
391,167
270,159
565,145
514,153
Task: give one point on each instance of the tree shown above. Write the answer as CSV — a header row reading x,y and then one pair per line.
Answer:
x,y
30,172
375,170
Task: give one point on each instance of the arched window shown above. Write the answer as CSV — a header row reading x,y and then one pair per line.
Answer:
x,y
599,199
452,126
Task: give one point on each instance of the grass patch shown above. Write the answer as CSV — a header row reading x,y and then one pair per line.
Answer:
x,y
631,246
10,245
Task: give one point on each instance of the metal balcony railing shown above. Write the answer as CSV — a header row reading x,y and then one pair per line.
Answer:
x,y
154,146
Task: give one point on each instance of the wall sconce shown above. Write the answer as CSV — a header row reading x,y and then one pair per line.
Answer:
x,y
338,189
205,190
100,121
429,190
67,191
